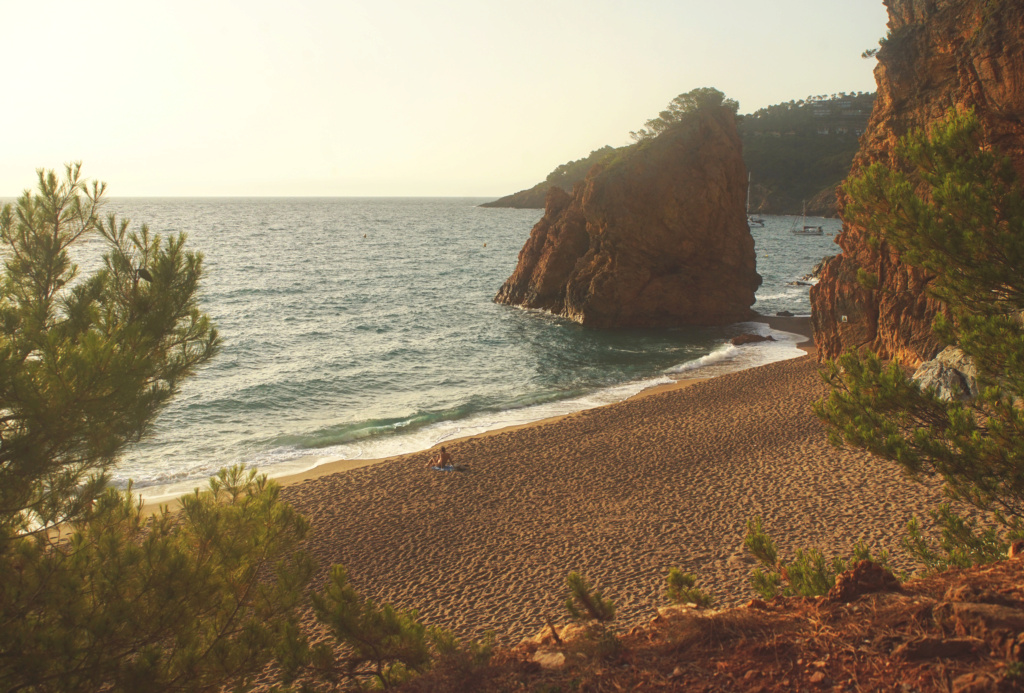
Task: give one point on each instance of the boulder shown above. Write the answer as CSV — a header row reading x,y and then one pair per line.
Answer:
x,y
748,338
864,578
939,54
655,237
818,268
952,375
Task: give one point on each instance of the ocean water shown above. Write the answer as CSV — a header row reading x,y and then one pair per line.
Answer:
x,y
361,328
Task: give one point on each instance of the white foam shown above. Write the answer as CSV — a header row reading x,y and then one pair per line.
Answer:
x,y
725,359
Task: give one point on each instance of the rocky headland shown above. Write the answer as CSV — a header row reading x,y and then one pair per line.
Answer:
x,y
654,237
938,54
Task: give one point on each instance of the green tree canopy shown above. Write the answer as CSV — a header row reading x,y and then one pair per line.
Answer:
x,y
97,594
700,99
85,362
954,208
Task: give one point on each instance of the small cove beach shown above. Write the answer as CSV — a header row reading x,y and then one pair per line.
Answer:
x,y
620,493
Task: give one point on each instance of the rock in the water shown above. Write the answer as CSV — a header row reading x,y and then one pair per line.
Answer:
x,y
741,339
818,268
656,237
952,374
939,54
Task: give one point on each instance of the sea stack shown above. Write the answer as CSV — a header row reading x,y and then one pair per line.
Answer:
x,y
938,54
656,236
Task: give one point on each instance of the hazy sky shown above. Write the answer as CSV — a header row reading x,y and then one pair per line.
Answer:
x,y
391,97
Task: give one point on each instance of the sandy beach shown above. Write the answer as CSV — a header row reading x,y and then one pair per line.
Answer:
x,y
620,493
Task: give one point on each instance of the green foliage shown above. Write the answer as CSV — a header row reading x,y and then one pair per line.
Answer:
x,y
85,362
681,589
954,209
96,595
701,99
380,642
867,279
129,602
791,158
810,574
570,173
760,544
585,603
962,543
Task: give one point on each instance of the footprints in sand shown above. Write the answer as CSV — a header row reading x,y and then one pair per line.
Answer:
x,y
620,494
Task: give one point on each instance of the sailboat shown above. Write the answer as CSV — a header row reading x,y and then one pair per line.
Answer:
x,y
752,221
805,229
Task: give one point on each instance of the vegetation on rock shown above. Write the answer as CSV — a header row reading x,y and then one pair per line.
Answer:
x,y
954,208
692,101
796,152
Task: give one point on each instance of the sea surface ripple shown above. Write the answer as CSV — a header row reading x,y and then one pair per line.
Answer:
x,y
364,327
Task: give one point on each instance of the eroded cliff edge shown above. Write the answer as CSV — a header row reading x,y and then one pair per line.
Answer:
x,y
938,54
655,237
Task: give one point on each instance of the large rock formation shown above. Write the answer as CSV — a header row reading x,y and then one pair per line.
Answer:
x,y
656,237
938,54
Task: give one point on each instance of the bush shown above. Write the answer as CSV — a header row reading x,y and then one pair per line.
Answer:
x,y
585,603
681,590
810,574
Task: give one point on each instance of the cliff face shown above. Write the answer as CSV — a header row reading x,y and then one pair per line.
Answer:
x,y
939,53
655,238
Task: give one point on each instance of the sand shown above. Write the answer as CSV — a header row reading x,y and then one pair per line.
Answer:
x,y
620,493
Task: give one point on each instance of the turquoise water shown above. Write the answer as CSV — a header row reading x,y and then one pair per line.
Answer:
x,y
364,328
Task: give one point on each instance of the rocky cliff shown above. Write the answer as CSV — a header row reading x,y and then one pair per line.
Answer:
x,y
938,54
654,237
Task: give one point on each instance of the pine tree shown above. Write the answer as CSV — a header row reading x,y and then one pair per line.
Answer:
x,y
702,98
585,603
95,595
953,207
381,643
85,362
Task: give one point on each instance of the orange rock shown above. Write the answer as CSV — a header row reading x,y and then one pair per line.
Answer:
x,y
938,55
864,578
657,238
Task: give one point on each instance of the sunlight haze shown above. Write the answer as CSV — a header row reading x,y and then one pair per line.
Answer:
x,y
399,98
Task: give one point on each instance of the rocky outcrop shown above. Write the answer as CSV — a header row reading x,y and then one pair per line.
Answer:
x,y
938,54
656,237
952,375
748,338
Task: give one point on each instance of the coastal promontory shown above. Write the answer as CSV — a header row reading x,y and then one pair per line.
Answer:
x,y
937,55
655,236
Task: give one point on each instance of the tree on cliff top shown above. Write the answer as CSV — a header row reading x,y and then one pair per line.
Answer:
x,y
700,99
953,208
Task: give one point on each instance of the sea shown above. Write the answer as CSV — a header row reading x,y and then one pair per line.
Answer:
x,y
363,328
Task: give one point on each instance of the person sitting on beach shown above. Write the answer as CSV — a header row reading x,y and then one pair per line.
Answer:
x,y
442,459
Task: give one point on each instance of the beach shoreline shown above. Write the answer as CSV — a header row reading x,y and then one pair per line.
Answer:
x,y
620,493
796,325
